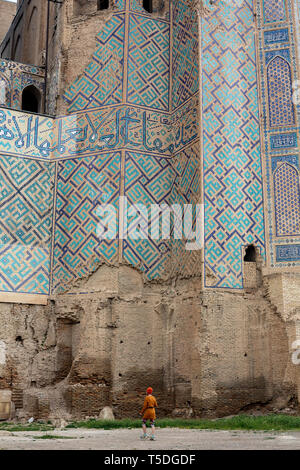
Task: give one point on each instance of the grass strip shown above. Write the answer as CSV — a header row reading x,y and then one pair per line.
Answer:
x,y
271,422
279,422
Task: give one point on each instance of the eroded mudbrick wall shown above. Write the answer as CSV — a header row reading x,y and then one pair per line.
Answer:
x,y
7,12
99,345
181,105
25,39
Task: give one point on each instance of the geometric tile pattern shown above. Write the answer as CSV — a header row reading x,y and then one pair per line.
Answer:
x,y
108,138
153,180
274,10
232,166
277,69
119,4
150,145
287,200
280,93
162,155
148,180
83,184
148,63
102,81
185,72
185,190
26,212
137,6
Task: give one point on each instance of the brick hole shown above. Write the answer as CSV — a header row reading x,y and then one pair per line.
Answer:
x,y
153,6
19,339
250,254
102,4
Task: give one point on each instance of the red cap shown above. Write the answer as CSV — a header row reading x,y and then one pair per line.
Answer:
x,y
149,390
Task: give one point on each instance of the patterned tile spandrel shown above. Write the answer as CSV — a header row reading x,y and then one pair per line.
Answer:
x,y
102,81
148,63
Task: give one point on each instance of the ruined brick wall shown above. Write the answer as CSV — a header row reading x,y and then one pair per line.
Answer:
x,y
25,40
106,340
7,12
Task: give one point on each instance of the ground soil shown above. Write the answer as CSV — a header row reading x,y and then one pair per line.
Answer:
x,y
167,439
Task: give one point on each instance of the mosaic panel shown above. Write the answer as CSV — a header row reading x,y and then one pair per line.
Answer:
x,y
162,153
98,131
271,54
281,153
232,166
115,128
185,71
287,200
283,141
83,184
25,224
274,10
287,253
280,93
153,180
292,159
276,36
102,81
148,63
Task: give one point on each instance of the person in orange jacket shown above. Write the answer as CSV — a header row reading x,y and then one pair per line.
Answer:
x,y
148,412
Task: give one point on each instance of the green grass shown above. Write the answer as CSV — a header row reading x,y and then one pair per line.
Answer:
x,y
13,427
279,422
52,436
241,422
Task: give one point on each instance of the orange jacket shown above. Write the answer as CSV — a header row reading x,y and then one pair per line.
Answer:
x,y
148,410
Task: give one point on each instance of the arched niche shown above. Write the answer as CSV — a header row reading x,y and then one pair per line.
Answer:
x,y
31,99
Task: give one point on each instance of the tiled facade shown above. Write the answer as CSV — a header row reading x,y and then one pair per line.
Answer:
x,y
231,141
278,69
136,127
